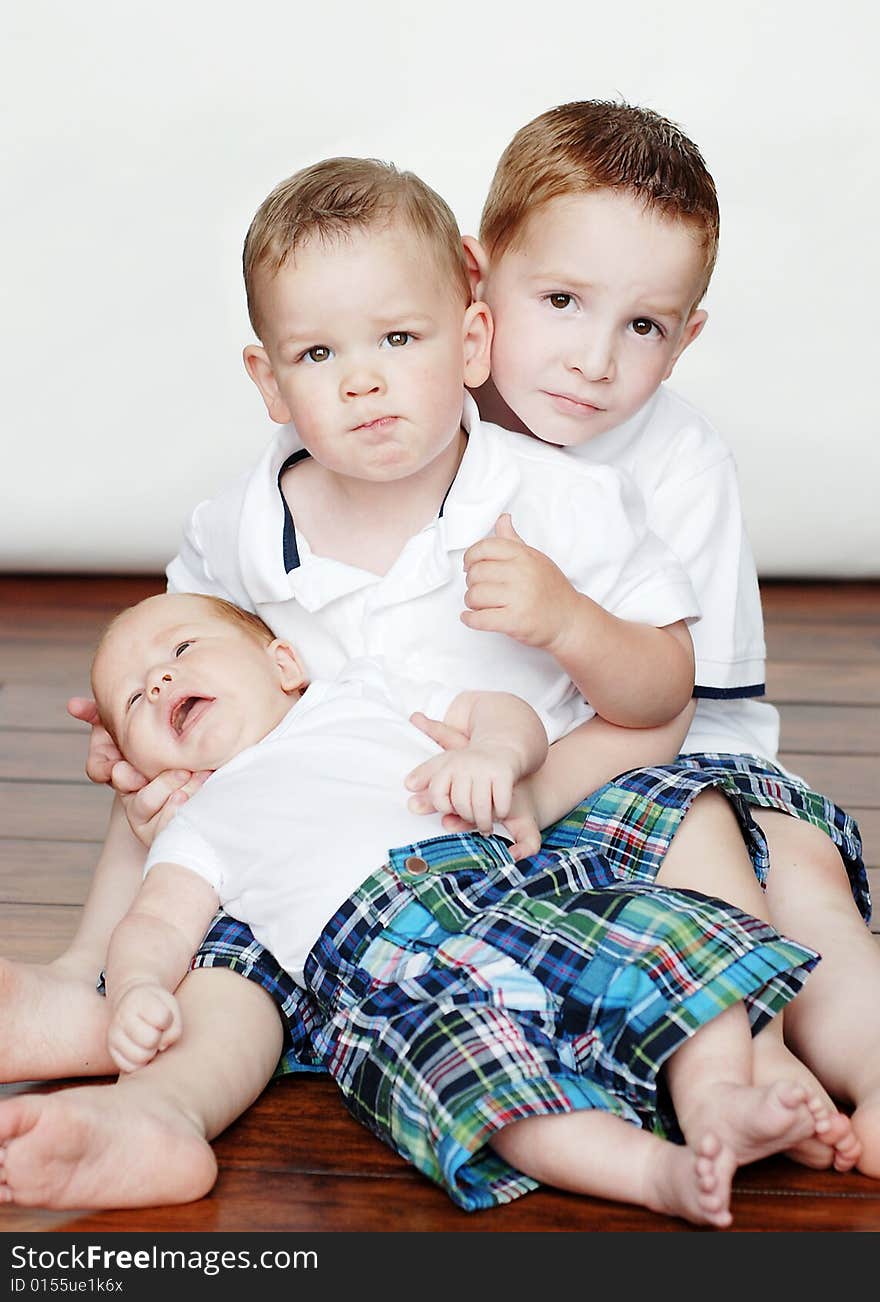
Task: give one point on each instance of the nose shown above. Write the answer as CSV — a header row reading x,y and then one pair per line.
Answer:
x,y
362,380
594,357
158,681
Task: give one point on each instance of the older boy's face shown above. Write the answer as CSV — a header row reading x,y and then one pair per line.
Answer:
x,y
367,349
592,309
186,689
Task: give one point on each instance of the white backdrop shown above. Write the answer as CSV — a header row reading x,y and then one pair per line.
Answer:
x,y
138,138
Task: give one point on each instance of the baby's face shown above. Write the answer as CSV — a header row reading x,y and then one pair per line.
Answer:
x,y
367,348
593,306
183,688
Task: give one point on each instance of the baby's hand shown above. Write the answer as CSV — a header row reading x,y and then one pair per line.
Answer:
x,y
152,807
521,823
146,1021
514,589
104,762
475,782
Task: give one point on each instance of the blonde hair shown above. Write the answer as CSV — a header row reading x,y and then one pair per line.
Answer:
x,y
599,145
338,195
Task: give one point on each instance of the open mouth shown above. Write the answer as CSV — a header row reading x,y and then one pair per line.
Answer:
x,y
188,711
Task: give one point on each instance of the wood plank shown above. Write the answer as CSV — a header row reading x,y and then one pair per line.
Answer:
x,y
822,684
46,872
38,706
101,592
56,812
36,934
259,1201
44,756
812,640
825,729
42,662
848,779
855,602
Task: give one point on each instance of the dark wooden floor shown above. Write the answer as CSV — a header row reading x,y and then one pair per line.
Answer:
x,y
297,1161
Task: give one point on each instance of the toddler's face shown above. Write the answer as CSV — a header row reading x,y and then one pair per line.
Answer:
x,y
592,306
367,349
183,688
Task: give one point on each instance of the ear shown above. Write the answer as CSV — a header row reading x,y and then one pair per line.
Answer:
x,y
693,326
477,340
477,262
259,368
291,675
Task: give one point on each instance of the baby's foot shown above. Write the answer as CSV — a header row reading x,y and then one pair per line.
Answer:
x,y
754,1121
837,1146
54,1024
98,1146
866,1125
693,1184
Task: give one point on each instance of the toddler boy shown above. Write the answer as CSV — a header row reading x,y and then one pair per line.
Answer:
x,y
598,239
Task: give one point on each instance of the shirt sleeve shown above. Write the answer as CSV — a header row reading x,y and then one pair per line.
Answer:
x,y
208,558
182,843
700,516
621,563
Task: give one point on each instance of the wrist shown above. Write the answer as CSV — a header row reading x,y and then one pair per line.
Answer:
x,y
570,630
117,991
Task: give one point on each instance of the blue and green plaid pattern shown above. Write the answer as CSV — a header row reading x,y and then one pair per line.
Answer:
x,y
461,992
629,823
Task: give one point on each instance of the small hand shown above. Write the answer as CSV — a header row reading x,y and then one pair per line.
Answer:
x,y
521,823
514,589
152,807
146,1021
475,782
104,762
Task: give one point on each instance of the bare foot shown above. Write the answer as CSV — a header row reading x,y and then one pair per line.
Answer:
x,y
866,1124
693,1184
837,1146
99,1146
754,1121
54,1024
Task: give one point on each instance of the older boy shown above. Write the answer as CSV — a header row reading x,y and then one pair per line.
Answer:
x,y
598,239
189,681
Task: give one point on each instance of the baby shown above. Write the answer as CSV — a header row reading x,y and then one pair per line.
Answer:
x,y
190,681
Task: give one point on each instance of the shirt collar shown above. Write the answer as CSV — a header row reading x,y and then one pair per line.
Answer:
x,y
486,481
611,447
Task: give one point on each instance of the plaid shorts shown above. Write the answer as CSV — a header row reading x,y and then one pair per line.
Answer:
x,y
633,819
629,822
461,992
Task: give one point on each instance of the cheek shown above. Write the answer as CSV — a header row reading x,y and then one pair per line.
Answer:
x,y
511,340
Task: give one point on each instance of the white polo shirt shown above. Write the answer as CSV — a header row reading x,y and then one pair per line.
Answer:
x,y
687,476
290,827
590,520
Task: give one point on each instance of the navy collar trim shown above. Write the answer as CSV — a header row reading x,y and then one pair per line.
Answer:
x,y
288,537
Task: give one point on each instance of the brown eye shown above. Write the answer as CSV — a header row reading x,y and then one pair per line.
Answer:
x,y
398,338
319,353
560,301
642,326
